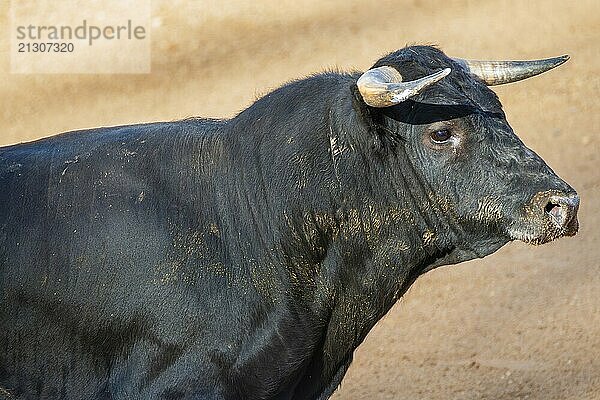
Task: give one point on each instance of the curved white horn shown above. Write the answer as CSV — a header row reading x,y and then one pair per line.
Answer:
x,y
383,86
500,72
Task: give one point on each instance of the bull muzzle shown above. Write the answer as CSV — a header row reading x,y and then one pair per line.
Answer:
x,y
549,215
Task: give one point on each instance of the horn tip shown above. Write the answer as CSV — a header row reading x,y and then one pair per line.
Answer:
x,y
560,60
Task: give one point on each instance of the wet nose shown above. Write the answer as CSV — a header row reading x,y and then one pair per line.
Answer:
x,y
562,212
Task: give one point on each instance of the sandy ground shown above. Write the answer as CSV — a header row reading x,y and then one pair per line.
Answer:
x,y
523,323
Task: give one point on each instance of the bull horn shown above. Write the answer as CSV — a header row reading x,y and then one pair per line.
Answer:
x,y
383,86
500,72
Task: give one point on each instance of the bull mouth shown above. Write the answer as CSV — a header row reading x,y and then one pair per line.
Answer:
x,y
553,228
548,216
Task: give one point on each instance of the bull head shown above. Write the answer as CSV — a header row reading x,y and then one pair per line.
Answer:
x,y
456,136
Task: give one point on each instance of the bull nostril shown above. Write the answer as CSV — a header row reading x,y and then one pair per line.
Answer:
x,y
554,210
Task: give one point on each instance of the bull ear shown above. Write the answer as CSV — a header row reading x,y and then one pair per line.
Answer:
x,y
383,86
500,72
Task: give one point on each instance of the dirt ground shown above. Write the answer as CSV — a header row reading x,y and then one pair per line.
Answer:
x,y
523,323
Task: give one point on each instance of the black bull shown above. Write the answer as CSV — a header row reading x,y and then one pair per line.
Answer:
x,y
248,258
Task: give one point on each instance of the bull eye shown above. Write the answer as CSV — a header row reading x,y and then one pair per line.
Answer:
x,y
440,136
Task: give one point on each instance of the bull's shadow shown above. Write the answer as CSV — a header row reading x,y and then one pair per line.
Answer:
x,y
417,113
